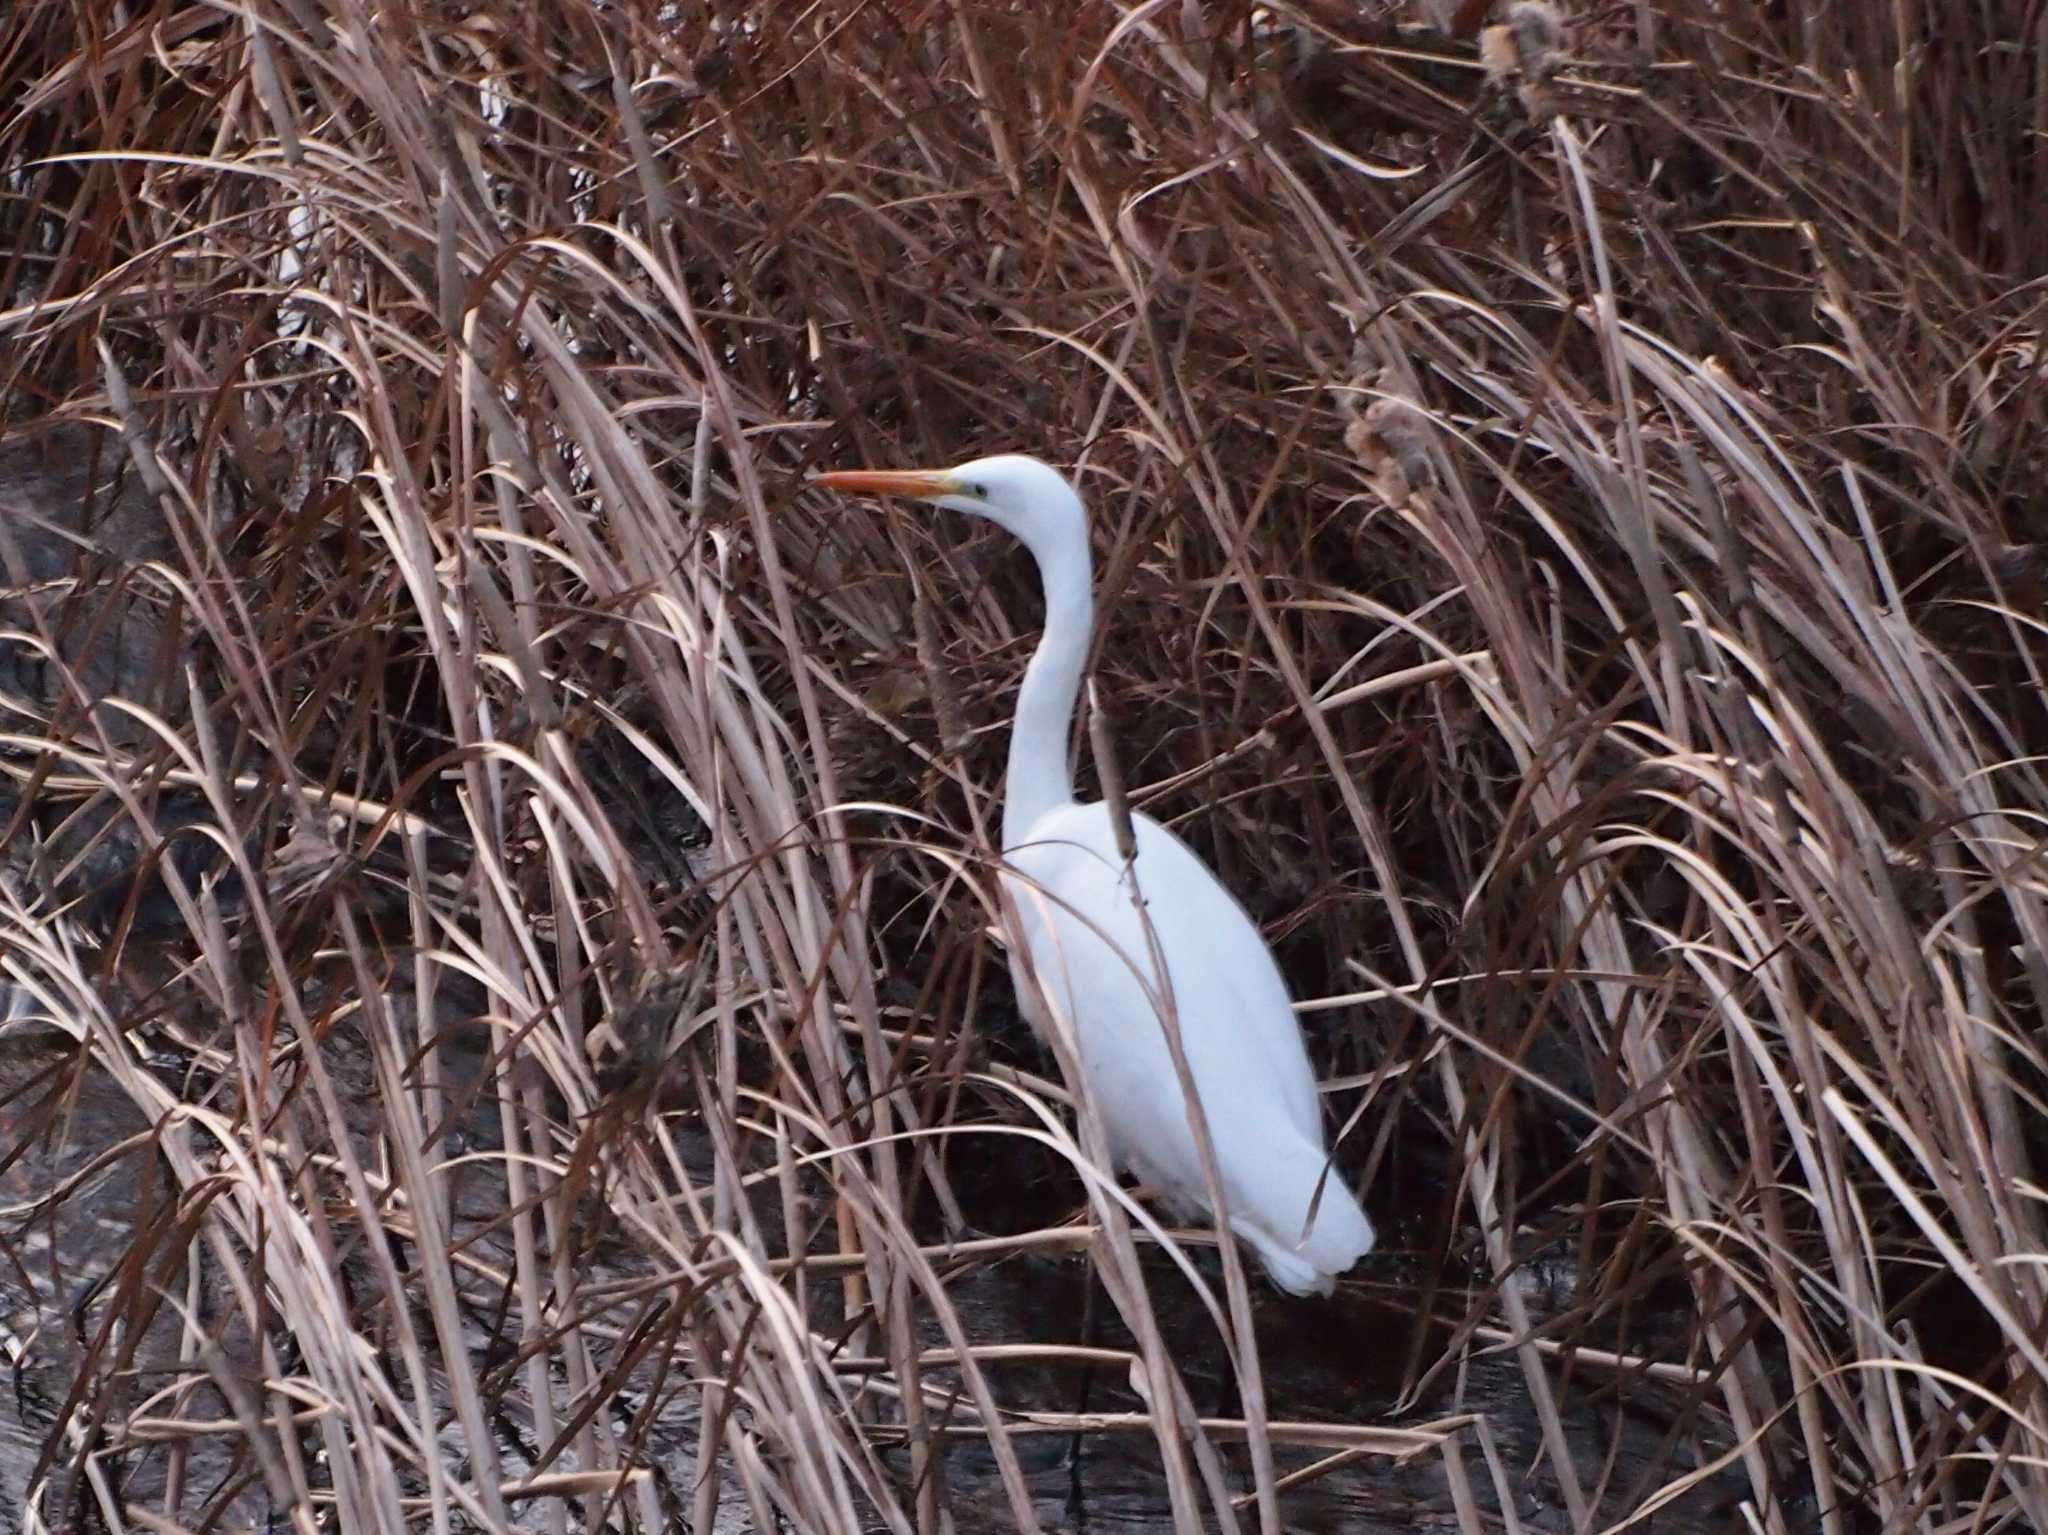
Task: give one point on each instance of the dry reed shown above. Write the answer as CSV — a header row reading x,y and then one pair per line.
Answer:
x,y
1570,519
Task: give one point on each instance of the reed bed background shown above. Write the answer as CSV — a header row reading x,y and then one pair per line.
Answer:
x,y
1569,511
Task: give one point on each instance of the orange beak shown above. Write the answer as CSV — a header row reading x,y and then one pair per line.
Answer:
x,y
920,484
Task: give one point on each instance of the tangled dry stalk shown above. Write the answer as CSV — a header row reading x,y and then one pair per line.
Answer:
x,y
1571,524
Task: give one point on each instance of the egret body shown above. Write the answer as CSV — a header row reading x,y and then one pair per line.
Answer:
x,y
1091,955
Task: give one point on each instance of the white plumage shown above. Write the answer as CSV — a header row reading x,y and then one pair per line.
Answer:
x,y
1087,953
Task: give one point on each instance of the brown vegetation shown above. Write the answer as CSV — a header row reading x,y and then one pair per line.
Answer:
x,y
1570,511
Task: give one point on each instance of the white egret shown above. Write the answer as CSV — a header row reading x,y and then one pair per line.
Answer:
x,y
1091,955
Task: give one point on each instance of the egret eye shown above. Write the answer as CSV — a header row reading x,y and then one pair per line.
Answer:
x,y
978,490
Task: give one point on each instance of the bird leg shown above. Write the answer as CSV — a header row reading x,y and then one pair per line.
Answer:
x,y
1229,1398
1077,1503
1229,1392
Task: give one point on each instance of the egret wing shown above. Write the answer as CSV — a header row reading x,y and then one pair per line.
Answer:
x,y
1236,1020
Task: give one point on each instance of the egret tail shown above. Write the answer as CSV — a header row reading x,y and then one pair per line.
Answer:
x,y
1279,1184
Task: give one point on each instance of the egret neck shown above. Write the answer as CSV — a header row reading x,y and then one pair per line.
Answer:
x,y
1041,776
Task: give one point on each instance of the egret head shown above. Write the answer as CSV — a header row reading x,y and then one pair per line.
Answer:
x,y
1030,499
